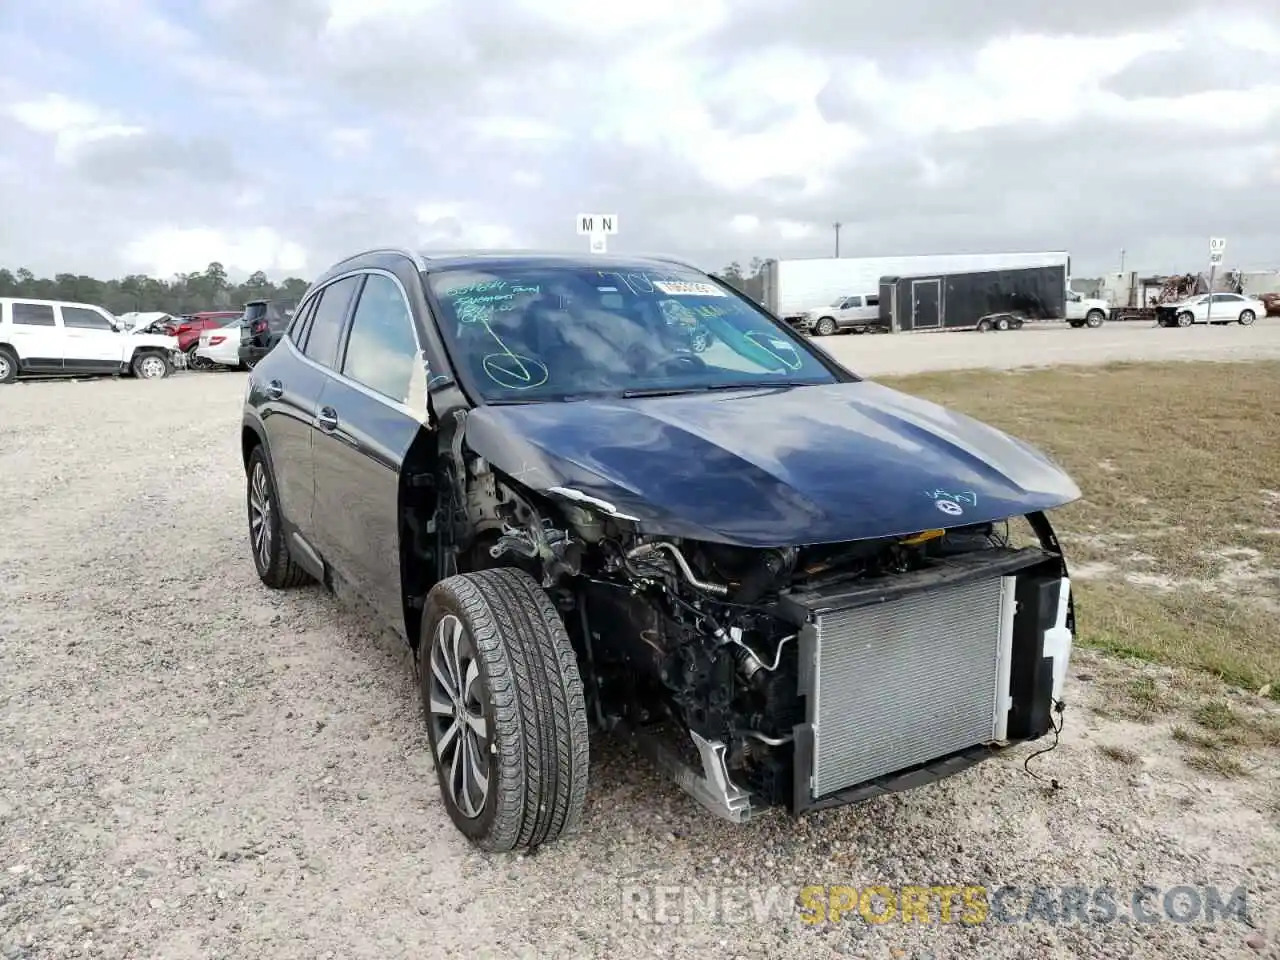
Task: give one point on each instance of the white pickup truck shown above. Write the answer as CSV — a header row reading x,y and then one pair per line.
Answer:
x,y
857,313
1085,311
57,338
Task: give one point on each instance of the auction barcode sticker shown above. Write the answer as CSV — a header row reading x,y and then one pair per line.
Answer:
x,y
679,288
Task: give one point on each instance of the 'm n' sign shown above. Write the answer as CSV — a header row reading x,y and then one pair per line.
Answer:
x,y
597,223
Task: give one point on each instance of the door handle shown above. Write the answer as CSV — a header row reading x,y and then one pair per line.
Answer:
x,y
274,390
327,419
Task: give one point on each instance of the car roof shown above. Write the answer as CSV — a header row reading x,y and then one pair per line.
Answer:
x,y
429,260
54,303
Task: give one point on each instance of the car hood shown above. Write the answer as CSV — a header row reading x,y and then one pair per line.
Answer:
x,y
773,466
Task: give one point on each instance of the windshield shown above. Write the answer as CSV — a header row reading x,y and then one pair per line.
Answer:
x,y
538,331
838,303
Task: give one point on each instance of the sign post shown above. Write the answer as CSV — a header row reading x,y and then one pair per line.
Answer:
x,y
597,226
1217,247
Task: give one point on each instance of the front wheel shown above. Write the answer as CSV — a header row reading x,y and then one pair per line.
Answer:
x,y
151,366
1094,318
504,707
825,327
1247,317
1002,323
1185,318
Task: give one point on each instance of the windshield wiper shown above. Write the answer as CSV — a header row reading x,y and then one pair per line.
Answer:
x,y
661,391
760,385
707,387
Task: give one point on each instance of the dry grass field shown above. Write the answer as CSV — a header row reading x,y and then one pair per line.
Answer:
x,y
1176,542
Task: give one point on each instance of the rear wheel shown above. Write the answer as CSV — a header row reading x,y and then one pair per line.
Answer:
x,y
504,707
825,327
195,362
984,325
8,366
1246,317
271,556
1002,323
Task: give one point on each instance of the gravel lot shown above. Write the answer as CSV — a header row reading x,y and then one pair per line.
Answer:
x,y
196,767
1052,345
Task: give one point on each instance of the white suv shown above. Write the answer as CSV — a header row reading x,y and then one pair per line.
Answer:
x,y
51,337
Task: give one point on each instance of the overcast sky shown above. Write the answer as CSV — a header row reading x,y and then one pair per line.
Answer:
x,y
157,135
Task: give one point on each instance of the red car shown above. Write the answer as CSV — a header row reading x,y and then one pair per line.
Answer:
x,y
187,329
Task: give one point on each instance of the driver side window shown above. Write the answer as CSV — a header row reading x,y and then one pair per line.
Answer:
x,y
382,349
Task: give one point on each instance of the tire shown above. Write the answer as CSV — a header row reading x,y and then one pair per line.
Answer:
x,y
526,696
1002,323
195,362
8,365
276,567
825,327
984,326
1246,318
150,365
1185,318
1093,319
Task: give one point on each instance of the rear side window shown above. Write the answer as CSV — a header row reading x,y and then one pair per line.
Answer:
x,y
82,318
873,301
33,314
297,330
326,322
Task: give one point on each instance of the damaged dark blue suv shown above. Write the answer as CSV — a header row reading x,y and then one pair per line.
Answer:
x,y
612,492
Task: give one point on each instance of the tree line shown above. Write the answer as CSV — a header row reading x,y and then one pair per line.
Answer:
x,y
210,289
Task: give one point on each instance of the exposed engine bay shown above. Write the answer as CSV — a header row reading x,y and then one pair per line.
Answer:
x,y
707,652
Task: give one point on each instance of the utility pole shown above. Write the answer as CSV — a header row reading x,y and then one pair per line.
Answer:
x,y
837,226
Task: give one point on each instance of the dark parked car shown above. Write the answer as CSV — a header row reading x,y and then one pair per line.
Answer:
x,y
788,585
265,321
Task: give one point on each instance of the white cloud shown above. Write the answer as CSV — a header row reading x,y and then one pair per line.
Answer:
x,y
167,251
72,123
494,124
349,141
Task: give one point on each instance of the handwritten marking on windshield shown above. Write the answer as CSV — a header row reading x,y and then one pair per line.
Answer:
x,y
476,303
787,356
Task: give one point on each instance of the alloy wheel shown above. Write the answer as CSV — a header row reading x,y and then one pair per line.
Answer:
x,y
151,368
4,368
456,707
260,516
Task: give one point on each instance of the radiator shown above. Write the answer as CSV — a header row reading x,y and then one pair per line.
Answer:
x,y
905,682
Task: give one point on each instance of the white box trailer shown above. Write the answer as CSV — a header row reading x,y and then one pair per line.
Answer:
x,y
793,289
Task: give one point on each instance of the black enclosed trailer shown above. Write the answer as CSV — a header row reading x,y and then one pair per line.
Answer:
x,y
982,299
